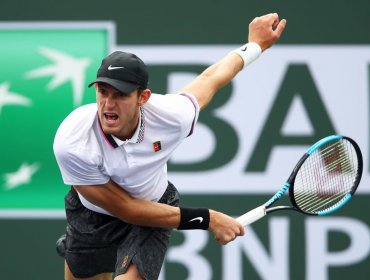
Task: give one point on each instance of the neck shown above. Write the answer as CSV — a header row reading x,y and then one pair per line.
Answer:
x,y
128,132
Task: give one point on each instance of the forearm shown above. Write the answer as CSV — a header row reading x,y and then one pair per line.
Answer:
x,y
222,72
146,213
263,33
204,87
116,201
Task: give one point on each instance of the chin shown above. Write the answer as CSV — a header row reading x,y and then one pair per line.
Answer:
x,y
110,130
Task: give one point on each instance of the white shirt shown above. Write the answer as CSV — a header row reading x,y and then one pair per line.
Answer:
x,y
87,156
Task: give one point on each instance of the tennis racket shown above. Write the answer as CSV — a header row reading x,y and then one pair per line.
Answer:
x,y
324,179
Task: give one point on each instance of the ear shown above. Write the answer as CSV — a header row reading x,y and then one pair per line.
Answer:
x,y
144,96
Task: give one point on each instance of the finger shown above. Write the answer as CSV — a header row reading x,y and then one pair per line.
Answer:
x,y
280,27
220,240
217,239
275,23
242,231
273,18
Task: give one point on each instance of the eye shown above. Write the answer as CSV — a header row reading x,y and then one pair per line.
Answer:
x,y
121,94
102,91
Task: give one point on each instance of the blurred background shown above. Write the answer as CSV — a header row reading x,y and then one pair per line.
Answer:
x,y
314,82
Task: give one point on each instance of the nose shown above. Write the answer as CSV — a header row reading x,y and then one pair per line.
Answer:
x,y
110,101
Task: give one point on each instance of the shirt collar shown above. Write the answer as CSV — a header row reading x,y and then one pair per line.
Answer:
x,y
138,136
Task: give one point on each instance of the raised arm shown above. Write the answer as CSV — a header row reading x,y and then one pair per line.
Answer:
x,y
264,31
119,203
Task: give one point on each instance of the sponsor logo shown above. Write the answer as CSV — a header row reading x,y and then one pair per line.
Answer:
x,y
110,67
199,219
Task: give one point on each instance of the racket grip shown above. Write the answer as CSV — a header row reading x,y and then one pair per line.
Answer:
x,y
252,216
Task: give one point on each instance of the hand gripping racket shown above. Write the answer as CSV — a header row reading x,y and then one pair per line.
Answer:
x,y
324,179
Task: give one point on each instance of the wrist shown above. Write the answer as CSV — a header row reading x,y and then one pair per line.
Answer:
x,y
248,52
194,218
212,220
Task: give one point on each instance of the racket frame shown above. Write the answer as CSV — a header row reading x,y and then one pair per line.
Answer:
x,y
266,208
312,149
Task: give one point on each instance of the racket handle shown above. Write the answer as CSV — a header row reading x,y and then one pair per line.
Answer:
x,y
252,216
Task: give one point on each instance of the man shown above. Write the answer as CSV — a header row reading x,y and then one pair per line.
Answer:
x,y
121,207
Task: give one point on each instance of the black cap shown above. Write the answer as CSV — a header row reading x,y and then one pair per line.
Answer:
x,y
123,71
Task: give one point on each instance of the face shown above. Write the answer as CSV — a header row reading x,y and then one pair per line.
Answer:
x,y
119,112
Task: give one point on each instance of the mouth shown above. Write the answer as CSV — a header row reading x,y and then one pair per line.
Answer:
x,y
110,118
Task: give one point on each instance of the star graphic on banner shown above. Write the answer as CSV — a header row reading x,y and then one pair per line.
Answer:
x,y
11,98
65,68
22,176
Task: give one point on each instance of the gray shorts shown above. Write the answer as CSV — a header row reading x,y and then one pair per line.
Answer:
x,y
95,243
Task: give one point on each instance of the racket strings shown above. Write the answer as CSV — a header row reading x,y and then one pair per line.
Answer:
x,y
326,177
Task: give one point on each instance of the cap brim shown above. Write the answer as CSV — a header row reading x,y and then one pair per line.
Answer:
x,y
121,86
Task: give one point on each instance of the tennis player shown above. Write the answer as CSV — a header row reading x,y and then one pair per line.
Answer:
x,y
121,207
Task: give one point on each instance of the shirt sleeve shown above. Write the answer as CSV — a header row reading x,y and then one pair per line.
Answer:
x,y
79,167
193,116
